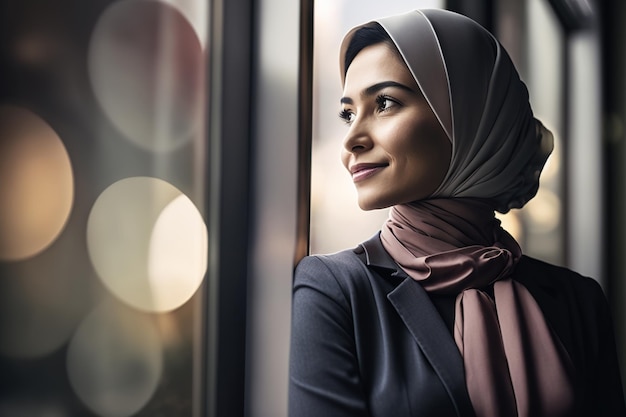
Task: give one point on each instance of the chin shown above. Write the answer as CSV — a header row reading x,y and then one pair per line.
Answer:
x,y
366,205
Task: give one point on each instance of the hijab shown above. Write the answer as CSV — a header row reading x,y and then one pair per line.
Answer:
x,y
498,147
451,243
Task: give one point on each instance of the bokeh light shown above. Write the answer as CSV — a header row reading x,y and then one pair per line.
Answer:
x,y
196,12
512,223
146,69
148,243
115,360
552,168
544,211
36,184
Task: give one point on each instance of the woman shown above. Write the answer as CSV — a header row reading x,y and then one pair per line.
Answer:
x,y
440,314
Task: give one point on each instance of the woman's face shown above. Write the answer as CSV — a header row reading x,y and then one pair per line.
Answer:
x,y
395,149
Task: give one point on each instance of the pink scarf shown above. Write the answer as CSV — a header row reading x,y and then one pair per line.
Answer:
x,y
514,364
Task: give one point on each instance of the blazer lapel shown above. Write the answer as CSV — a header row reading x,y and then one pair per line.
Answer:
x,y
429,331
426,326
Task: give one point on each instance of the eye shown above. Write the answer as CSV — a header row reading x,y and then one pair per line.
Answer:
x,y
347,116
385,103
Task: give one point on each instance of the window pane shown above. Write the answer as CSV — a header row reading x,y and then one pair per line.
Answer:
x,y
103,241
533,35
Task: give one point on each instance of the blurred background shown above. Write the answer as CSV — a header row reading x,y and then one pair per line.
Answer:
x,y
164,163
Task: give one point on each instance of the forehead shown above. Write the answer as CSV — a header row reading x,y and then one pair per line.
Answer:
x,y
376,63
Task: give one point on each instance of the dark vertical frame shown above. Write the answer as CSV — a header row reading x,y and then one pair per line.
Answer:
x,y
613,13
614,68
305,128
228,121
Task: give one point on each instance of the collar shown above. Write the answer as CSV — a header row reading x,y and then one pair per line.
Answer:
x,y
374,255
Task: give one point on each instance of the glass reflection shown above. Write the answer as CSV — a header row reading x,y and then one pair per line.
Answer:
x,y
93,94
148,243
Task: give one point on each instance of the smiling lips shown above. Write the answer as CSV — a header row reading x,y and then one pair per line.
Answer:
x,y
361,172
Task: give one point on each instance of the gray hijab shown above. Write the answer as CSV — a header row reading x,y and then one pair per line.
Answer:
x,y
498,147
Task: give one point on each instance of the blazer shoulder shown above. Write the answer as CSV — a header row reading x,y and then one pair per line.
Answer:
x,y
345,261
573,303
346,272
535,272
343,270
577,309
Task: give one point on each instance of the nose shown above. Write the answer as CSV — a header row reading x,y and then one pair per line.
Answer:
x,y
358,138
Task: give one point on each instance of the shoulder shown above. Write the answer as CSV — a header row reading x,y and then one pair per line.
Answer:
x,y
344,261
328,290
565,296
346,277
577,309
339,269
557,278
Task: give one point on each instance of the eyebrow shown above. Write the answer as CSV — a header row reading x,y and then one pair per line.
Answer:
x,y
373,89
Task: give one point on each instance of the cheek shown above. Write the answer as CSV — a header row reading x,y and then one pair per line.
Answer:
x,y
403,140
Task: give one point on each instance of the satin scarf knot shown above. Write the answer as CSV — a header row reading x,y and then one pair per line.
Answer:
x,y
514,365
453,271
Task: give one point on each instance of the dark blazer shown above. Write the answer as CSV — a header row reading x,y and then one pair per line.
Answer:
x,y
368,341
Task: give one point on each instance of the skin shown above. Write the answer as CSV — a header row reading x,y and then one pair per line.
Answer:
x,y
395,149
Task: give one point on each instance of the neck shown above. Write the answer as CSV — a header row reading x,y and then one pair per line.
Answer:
x,y
450,244
446,223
